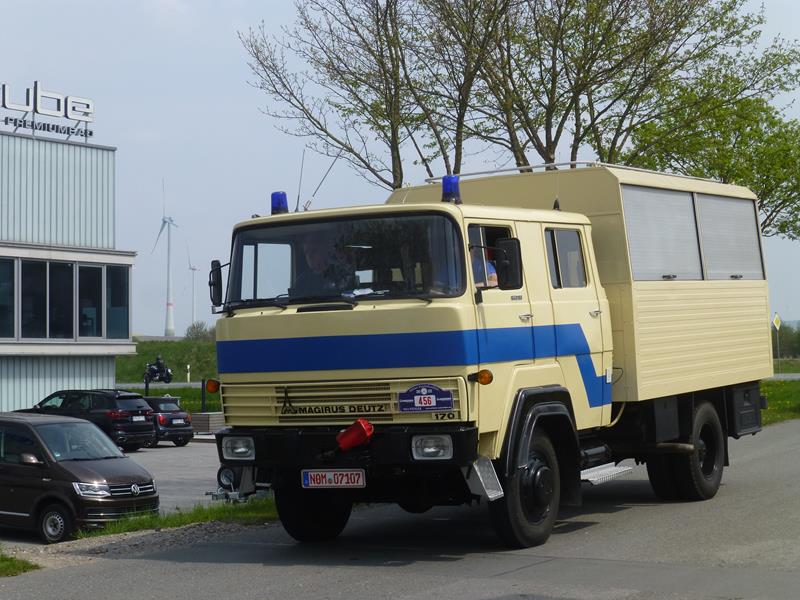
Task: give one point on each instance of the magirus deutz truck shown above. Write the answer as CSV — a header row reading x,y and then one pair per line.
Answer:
x,y
503,339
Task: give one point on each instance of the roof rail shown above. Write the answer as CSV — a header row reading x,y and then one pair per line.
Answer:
x,y
572,163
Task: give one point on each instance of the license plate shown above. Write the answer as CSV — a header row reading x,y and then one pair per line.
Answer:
x,y
333,478
178,421
137,418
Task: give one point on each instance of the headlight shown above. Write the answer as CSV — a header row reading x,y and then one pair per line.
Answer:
x,y
91,490
432,447
238,448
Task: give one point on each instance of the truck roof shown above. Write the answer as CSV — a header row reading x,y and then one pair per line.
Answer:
x,y
480,211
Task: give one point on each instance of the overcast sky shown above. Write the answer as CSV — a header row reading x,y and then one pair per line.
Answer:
x,y
170,84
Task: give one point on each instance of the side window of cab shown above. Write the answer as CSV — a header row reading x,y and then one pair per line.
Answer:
x,y
482,253
565,258
16,441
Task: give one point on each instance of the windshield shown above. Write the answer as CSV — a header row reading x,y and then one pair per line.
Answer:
x,y
77,441
398,256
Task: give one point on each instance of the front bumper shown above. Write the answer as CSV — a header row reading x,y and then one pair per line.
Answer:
x,y
311,447
95,513
392,474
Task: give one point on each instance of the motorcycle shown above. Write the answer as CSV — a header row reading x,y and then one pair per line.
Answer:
x,y
152,373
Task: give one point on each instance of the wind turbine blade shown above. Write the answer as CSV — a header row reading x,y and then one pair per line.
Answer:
x,y
163,199
160,231
189,256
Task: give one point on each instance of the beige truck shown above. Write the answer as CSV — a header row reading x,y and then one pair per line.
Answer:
x,y
504,338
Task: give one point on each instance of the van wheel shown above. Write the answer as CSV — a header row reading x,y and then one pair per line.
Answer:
x,y
526,514
312,515
699,474
55,523
181,441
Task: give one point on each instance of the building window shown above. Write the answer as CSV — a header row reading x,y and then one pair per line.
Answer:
x,y
90,301
33,301
61,309
117,303
6,298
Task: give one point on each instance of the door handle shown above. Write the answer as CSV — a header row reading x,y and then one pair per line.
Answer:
x,y
595,313
526,316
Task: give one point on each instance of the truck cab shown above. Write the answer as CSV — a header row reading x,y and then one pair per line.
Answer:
x,y
429,352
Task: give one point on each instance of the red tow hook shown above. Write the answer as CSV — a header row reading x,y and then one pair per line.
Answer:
x,y
357,434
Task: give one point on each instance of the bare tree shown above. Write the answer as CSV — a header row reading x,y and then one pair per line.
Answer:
x,y
346,93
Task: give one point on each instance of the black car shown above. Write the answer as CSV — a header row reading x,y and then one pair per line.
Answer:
x,y
59,474
171,422
124,416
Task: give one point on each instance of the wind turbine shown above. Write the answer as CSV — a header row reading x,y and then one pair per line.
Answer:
x,y
194,270
168,223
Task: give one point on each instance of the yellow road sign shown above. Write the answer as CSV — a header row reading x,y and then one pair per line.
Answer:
x,y
776,321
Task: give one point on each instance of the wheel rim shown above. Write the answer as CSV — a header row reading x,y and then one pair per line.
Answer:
x,y
707,451
54,525
537,489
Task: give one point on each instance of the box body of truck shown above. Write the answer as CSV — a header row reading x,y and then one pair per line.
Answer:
x,y
631,323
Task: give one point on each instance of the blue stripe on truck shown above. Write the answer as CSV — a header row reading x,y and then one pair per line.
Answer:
x,y
408,350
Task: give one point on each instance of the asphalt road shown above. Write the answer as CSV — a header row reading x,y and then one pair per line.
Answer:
x,y
745,543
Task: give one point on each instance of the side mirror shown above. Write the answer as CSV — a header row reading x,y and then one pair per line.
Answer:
x,y
508,264
29,459
215,283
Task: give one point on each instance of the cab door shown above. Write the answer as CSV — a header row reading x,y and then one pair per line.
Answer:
x,y
578,321
504,320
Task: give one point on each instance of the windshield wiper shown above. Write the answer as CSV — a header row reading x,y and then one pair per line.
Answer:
x,y
348,299
256,302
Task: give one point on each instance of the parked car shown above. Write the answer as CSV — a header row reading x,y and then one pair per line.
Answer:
x,y
124,416
59,474
171,422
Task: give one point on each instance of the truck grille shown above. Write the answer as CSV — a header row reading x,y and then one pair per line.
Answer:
x,y
124,490
331,402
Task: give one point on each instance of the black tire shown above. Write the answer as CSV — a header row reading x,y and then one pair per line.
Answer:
x,y
167,378
699,474
527,513
131,447
312,515
54,523
661,472
152,443
181,441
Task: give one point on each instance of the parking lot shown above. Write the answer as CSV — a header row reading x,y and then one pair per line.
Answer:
x,y
183,475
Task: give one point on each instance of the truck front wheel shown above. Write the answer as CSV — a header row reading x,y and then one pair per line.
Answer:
x,y
526,514
312,515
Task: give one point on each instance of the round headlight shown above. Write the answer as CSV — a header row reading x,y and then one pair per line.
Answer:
x,y
226,478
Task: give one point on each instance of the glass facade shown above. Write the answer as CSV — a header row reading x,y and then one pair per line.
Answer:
x,y
58,300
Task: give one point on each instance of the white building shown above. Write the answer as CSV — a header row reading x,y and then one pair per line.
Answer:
x,y
65,289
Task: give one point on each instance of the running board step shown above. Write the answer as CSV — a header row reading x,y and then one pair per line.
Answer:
x,y
604,473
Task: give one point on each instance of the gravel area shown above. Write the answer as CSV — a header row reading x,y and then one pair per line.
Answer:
x,y
124,545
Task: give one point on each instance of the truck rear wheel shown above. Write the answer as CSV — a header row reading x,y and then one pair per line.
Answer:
x,y
312,515
526,514
699,474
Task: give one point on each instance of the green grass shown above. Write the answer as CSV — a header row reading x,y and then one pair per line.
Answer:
x,y
787,365
10,566
200,354
252,512
783,399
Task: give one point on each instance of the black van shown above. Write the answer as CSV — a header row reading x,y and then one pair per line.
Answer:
x,y
59,474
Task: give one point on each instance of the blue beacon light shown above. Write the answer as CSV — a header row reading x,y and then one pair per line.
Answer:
x,y
450,192
279,203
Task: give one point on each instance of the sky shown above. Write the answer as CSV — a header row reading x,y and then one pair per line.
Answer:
x,y
170,83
